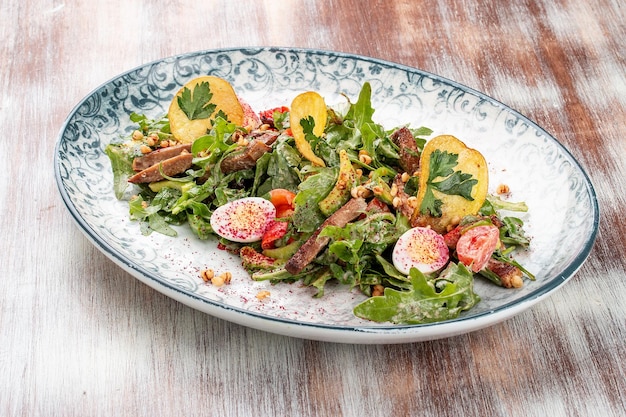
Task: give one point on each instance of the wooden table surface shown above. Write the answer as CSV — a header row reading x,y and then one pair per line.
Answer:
x,y
81,337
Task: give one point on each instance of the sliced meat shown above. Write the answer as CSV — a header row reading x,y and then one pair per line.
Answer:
x,y
247,158
409,154
146,161
172,166
312,247
510,275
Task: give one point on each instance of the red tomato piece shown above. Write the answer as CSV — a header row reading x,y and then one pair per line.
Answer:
x,y
275,231
475,246
282,197
267,116
284,211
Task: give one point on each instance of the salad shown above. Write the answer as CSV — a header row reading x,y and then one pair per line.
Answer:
x,y
312,194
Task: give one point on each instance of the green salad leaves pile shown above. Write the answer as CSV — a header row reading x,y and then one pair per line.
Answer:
x,y
357,254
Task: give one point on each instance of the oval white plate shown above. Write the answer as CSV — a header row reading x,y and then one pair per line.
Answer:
x,y
562,220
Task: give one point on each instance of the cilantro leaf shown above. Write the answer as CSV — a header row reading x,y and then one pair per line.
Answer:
x,y
442,164
307,124
458,183
197,104
431,204
453,183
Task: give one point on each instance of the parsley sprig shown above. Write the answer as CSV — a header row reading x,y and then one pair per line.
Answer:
x,y
453,183
197,104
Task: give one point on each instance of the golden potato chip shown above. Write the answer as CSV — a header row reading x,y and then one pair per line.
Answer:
x,y
453,183
305,105
196,105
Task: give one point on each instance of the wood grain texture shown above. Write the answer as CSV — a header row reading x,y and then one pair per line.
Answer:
x,y
80,337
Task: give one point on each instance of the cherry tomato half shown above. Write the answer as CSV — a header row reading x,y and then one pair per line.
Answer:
x,y
475,246
282,197
275,231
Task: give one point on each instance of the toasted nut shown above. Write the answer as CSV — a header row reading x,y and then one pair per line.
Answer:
x,y
261,295
377,189
227,276
207,275
378,290
137,135
264,127
217,281
358,172
405,177
365,159
503,189
150,141
517,282
396,202
145,149
412,202
394,190
360,192
221,279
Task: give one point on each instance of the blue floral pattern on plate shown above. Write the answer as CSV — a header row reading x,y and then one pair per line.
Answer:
x,y
562,220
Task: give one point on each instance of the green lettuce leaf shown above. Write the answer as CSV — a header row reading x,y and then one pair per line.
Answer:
x,y
122,167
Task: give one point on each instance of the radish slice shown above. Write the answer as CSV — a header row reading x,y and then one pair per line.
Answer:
x,y
244,220
421,248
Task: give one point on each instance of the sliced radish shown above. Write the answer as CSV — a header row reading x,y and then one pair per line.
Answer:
x,y
244,220
421,248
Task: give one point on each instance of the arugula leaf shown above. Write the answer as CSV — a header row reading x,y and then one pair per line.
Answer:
x,y
197,104
149,217
512,233
360,115
307,216
319,282
453,183
500,256
199,217
362,111
216,142
146,125
494,203
428,301
359,244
